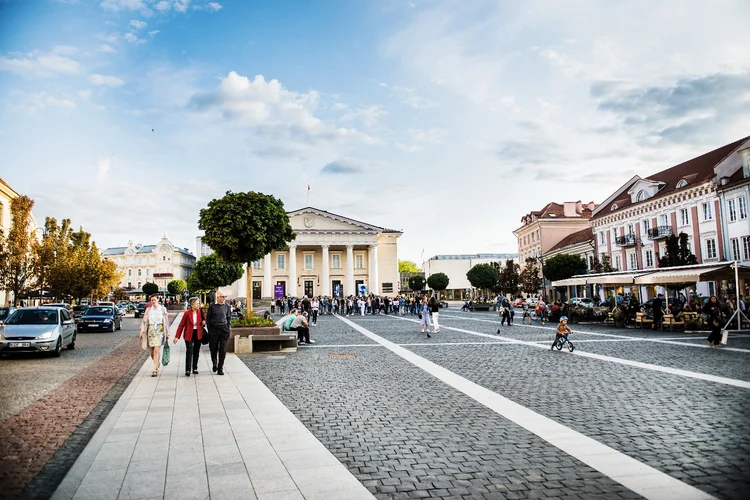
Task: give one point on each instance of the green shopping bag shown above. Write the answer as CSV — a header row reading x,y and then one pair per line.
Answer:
x,y
165,355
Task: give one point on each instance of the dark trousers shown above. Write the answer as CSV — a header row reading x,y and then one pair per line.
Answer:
x,y
315,316
557,337
303,333
657,320
192,351
218,346
715,336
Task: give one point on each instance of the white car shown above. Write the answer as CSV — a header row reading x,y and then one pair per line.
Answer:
x,y
582,301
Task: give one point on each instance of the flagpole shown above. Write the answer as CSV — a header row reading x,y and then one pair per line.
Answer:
x,y
308,193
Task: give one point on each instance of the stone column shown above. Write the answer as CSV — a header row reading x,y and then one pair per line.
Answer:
x,y
373,268
267,284
326,279
291,288
350,271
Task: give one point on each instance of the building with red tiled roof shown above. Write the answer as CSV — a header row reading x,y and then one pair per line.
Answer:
x,y
578,243
542,229
632,224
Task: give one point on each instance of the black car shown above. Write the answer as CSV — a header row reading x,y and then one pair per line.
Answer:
x,y
100,318
140,309
674,303
78,312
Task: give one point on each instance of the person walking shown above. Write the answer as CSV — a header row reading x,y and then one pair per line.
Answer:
x,y
155,327
712,309
315,304
191,326
218,320
425,318
435,309
658,311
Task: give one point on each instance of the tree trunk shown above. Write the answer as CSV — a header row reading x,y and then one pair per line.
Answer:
x,y
249,287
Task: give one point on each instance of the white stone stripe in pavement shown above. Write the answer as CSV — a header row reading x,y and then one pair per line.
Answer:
x,y
623,337
205,436
634,475
638,364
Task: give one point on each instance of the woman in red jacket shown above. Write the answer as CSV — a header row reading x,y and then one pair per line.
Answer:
x,y
192,326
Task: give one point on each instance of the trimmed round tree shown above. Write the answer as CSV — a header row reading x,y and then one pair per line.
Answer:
x,y
150,288
244,227
177,288
563,266
416,283
483,276
210,273
438,282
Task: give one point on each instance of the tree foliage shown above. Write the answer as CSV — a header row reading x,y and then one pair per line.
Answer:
x,y
509,278
407,266
531,282
150,288
604,266
416,283
177,287
563,266
677,252
438,281
211,272
119,294
483,276
16,265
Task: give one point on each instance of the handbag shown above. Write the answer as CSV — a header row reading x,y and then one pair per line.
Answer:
x,y
420,315
204,337
165,355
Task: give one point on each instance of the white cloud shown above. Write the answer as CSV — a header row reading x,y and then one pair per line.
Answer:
x,y
409,96
273,112
138,25
40,64
408,148
181,5
103,166
215,6
163,5
153,33
133,38
118,5
370,116
43,100
65,50
432,136
106,48
105,80
85,95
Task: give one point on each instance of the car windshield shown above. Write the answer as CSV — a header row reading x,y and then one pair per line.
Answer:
x,y
98,311
4,311
33,317
80,308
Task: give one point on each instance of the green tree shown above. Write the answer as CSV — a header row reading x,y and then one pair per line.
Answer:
x,y
483,276
677,252
211,272
150,288
177,288
407,266
16,263
244,227
604,266
438,282
119,294
563,266
509,278
416,283
531,282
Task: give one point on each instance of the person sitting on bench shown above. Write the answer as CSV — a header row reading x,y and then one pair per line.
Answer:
x,y
302,328
286,321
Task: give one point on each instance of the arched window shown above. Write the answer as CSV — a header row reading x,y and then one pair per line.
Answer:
x,y
613,207
641,195
681,183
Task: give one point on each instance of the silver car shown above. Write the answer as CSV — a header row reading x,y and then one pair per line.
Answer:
x,y
38,329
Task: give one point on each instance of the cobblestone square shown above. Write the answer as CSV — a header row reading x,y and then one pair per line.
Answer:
x,y
413,417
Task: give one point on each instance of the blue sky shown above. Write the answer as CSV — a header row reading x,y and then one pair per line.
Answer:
x,y
448,120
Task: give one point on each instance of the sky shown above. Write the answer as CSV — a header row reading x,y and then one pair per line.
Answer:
x,y
448,120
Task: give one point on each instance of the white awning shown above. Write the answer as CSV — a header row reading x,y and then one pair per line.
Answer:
x,y
687,274
574,281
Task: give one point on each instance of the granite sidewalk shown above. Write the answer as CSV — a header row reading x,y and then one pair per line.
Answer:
x,y
205,436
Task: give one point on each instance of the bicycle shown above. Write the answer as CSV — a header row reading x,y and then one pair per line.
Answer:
x,y
561,343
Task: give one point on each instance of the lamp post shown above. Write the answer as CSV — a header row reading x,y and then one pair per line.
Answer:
x,y
42,261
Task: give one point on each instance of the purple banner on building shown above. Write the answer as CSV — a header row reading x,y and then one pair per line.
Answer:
x,y
278,291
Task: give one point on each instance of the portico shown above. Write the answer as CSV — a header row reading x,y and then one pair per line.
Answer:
x,y
332,255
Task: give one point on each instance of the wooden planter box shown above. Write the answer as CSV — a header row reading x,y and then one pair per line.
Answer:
x,y
245,332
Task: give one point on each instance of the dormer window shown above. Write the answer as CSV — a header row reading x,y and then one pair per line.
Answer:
x,y
613,207
641,195
681,183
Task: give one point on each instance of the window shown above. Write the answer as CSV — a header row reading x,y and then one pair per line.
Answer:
x,y
164,258
281,262
649,258
736,249
707,212
743,207
684,217
614,234
681,183
711,248
139,272
746,248
336,261
359,261
308,261
732,208
130,272
631,230
646,226
663,220
640,196
618,262
602,238
256,264
613,207
633,261
148,272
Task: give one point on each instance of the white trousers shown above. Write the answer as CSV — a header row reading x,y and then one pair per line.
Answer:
x,y
436,326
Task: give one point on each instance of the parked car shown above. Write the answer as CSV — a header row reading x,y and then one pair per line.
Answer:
x,y
582,301
122,309
38,329
5,312
519,302
100,318
673,303
140,309
67,307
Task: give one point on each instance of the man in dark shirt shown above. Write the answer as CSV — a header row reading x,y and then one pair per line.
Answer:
x,y
218,320
658,305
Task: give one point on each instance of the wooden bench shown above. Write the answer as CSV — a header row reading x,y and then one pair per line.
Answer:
x,y
641,319
671,322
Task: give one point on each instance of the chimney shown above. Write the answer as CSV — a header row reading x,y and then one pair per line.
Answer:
x,y
569,209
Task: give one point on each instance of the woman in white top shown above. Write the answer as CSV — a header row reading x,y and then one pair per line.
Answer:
x,y
315,304
155,327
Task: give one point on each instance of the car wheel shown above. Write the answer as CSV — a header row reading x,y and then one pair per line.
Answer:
x,y
58,348
113,327
72,344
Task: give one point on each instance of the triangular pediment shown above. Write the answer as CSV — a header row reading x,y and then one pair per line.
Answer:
x,y
313,219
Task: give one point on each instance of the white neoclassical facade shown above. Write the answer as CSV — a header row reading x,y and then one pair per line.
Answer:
x,y
140,264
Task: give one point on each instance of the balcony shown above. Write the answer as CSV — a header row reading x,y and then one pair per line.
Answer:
x,y
660,232
628,240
